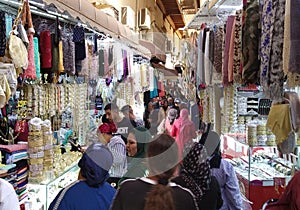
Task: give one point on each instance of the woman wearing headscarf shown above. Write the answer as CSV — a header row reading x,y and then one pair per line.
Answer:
x,y
137,142
225,174
91,191
118,149
156,191
184,132
195,175
167,124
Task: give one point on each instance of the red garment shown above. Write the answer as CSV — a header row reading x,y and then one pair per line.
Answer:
x,y
13,147
45,49
30,72
290,199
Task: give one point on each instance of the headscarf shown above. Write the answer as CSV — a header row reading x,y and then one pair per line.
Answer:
x,y
172,114
108,128
213,149
95,164
136,164
142,136
187,131
195,170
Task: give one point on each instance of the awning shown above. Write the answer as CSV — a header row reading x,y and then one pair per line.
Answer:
x,y
96,18
155,51
168,73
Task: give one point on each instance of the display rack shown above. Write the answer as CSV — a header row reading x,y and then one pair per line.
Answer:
x,y
41,195
252,178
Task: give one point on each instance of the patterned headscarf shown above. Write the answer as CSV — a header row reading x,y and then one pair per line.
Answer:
x,y
107,128
195,170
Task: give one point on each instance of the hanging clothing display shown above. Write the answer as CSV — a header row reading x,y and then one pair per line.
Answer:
x,y
228,52
68,54
237,47
37,58
79,40
218,49
250,47
266,43
30,72
45,49
2,34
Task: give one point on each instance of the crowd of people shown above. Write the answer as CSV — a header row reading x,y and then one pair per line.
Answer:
x,y
155,163
150,164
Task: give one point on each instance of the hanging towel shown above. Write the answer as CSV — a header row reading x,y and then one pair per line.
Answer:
x,y
37,57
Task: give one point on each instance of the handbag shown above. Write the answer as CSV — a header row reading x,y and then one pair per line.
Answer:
x,y
17,51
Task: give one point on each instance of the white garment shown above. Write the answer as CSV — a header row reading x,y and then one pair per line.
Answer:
x,y
118,150
8,196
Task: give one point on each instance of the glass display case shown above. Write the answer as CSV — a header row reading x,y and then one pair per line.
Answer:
x,y
261,172
41,195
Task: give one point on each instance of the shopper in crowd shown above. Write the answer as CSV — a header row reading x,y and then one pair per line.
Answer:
x,y
184,132
104,119
151,118
225,174
156,191
195,175
123,124
162,114
290,199
138,140
117,147
167,124
128,113
91,191
8,197
177,104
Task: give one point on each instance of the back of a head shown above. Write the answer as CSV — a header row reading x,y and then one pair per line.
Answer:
x,y
162,158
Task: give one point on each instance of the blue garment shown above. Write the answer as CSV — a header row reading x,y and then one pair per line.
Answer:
x,y
228,182
79,196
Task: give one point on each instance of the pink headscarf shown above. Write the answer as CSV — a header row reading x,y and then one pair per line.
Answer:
x,y
183,131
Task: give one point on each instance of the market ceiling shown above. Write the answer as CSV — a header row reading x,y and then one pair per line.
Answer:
x,y
174,10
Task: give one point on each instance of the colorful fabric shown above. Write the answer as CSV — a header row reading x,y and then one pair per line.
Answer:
x,y
2,34
45,49
276,62
237,54
195,170
60,57
250,48
266,43
8,25
37,58
68,55
227,65
30,72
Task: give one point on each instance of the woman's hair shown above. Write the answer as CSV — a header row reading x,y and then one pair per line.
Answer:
x,y
162,157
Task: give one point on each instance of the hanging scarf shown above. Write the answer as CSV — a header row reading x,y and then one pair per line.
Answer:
x,y
196,171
